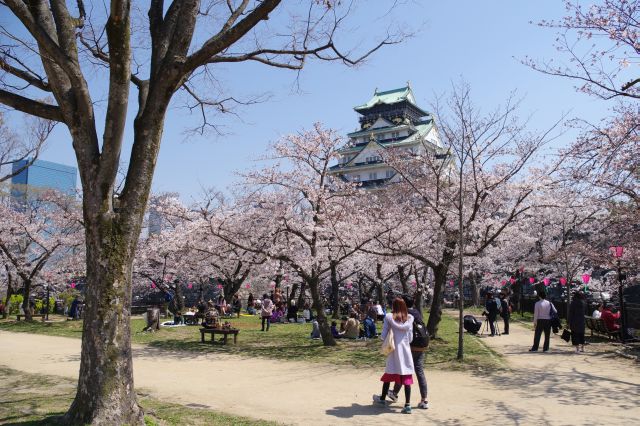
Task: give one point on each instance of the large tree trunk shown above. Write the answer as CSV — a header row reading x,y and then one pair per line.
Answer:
x,y
7,305
26,290
404,278
380,285
421,287
105,394
325,329
475,288
303,289
292,295
335,296
435,314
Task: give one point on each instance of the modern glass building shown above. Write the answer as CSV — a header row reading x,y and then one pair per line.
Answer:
x,y
44,175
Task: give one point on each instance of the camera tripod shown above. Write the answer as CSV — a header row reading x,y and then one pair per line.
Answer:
x,y
486,326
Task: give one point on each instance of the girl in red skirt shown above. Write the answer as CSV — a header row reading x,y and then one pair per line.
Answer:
x,y
399,368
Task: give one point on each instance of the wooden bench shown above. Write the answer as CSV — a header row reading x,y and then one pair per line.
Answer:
x,y
598,325
32,316
225,332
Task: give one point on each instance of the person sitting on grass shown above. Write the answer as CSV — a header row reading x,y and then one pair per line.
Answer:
x,y
351,327
315,332
292,312
369,324
278,313
334,330
236,303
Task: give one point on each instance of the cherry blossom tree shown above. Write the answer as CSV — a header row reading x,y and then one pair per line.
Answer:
x,y
313,220
41,229
230,264
601,43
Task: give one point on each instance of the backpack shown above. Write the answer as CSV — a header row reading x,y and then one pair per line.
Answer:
x,y
420,334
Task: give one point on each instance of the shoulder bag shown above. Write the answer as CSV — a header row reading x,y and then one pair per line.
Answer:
x,y
388,345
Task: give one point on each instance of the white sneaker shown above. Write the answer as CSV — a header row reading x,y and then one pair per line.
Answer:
x,y
424,405
379,401
392,396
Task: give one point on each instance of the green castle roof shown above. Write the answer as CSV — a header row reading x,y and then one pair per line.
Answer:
x,y
389,97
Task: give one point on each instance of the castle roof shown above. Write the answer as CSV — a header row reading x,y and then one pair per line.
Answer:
x,y
389,97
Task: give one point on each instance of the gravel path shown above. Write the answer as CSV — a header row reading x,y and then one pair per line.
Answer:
x,y
556,388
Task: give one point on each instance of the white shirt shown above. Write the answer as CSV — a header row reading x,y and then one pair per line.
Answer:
x,y
379,310
542,310
596,314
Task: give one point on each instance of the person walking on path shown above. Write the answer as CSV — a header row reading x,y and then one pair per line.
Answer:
x,y
417,353
541,322
267,311
505,312
576,320
399,367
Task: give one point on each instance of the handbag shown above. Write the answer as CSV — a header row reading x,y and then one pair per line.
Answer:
x,y
566,335
388,345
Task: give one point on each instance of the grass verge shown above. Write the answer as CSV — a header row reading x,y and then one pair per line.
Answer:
x,y
30,399
284,342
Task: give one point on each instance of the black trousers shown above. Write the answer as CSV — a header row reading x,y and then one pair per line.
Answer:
x,y
492,323
505,329
542,325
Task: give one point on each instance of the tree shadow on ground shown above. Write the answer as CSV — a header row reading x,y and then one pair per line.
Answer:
x,y
570,387
48,421
345,353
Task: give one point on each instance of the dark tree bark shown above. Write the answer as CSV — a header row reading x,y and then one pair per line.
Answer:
x,y
9,292
439,281
335,287
26,293
404,278
325,329
303,289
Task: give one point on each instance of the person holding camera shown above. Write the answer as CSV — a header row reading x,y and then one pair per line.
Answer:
x,y
492,309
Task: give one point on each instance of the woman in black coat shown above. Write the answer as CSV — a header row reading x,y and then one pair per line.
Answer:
x,y
576,320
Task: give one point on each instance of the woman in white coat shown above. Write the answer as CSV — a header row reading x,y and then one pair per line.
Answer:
x,y
399,368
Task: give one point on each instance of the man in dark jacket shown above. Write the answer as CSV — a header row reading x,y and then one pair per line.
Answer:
x,y
504,313
492,309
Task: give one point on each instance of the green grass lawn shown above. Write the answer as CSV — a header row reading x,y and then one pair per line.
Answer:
x,y
30,399
284,341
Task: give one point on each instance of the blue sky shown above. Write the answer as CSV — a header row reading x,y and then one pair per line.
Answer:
x,y
480,42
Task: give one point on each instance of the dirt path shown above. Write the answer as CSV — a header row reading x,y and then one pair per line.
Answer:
x,y
557,388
